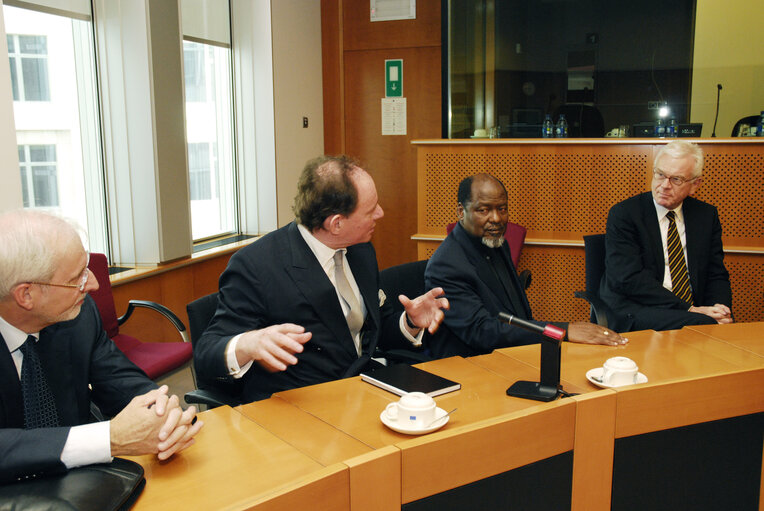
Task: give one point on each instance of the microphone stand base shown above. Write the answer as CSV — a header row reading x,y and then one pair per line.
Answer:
x,y
533,390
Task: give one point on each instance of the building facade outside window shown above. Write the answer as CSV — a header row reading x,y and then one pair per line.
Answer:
x,y
55,107
28,55
39,182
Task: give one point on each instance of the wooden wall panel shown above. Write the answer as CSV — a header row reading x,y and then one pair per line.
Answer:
x,y
355,117
391,159
331,55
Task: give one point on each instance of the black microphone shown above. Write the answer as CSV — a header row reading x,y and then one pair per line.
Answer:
x,y
718,93
551,331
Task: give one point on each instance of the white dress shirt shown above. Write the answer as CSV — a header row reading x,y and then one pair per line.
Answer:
x,y
86,444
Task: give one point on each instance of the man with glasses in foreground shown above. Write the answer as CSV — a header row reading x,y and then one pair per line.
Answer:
x,y
55,358
664,256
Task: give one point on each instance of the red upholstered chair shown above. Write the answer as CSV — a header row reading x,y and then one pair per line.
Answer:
x,y
515,236
154,358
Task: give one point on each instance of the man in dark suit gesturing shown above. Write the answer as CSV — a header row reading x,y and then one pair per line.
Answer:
x,y
55,358
664,256
303,304
474,267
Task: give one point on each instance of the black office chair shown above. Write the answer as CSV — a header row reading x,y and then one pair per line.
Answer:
x,y
211,394
594,252
583,120
404,279
751,120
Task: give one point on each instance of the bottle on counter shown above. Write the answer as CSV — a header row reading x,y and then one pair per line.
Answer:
x,y
561,130
547,128
672,130
660,128
760,125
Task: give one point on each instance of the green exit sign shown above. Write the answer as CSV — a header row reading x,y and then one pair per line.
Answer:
x,y
394,78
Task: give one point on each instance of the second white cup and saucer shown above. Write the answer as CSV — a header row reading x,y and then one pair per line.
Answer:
x,y
414,413
616,372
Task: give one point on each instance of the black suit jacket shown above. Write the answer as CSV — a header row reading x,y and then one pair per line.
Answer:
x,y
476,297
73,354
278,279
635,264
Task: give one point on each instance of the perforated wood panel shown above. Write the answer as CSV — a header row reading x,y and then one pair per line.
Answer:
x,y
571,188
552,299
734,183
547,192
747,280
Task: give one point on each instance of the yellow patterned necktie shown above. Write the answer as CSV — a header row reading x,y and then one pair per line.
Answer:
x,y
680,279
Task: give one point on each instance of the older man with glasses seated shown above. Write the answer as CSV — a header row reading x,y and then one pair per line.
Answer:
x,y
664,255
55,358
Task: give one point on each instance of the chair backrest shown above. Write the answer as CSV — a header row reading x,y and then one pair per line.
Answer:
x,y
515,236
102,296
751,120
583,120
200,313
406,279
594,253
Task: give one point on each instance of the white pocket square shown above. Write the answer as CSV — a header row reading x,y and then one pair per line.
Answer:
x,y
382,298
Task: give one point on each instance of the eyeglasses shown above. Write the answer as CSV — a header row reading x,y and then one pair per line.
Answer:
x,y
675,180
80,285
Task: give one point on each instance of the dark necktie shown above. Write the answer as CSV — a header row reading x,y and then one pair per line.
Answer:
x,y
39,405
680,279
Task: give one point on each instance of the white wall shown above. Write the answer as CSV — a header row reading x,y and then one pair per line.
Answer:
x,y
298,93
10,180
727,51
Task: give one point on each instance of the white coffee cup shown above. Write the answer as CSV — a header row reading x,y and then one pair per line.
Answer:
x,y
481,133
619,371
415,410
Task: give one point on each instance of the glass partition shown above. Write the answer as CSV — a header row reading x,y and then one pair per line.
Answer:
x,y
610,68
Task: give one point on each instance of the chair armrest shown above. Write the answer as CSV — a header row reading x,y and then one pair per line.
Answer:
x,y
525,279
599,308
210,398
161,309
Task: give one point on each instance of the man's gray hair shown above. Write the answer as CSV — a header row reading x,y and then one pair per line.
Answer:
x,y
31,245
680,149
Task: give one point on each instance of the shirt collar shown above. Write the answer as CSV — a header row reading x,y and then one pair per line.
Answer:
x,y
661,212
323,253
14,337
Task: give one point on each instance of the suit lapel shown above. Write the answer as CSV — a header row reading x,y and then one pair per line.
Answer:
x,y
692,238
11,402
650,221
318,290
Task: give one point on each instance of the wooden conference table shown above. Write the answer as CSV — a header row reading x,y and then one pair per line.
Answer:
x,y
324,447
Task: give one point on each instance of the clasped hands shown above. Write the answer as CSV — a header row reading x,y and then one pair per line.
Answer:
x,y
153,423
720,312
273,347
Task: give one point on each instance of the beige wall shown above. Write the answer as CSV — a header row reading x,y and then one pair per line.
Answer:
x,y
10,191
297,93
727,51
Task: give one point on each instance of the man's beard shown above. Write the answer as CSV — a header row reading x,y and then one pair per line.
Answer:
x,y
492,242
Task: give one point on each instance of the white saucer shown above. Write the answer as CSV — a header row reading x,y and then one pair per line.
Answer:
x,y
439,422
591,374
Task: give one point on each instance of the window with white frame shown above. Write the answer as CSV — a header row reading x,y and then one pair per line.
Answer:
x,y
209,119
28,55
39,183
55,107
